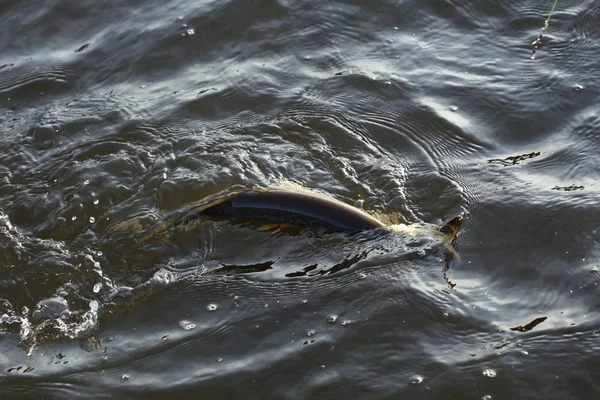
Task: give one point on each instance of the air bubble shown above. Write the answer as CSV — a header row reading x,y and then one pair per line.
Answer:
x,y
125,377
311,333
490,373
97,287
96,201
92,220
331,319
211,307
186,325
415,380
86,182
73,218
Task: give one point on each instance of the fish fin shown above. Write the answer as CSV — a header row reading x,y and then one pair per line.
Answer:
x,y
452,226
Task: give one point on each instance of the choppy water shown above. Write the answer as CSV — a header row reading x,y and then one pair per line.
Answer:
x,y
113,114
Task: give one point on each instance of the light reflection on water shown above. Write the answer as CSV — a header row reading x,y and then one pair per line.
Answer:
x,y
111,116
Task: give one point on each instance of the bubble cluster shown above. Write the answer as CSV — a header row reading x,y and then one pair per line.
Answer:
x,y
186,325
490,373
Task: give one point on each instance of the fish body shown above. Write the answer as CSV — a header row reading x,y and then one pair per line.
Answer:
x,y
293,207
304,208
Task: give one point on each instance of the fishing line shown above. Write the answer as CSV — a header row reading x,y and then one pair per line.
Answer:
x,y
537,42
515,159
536,45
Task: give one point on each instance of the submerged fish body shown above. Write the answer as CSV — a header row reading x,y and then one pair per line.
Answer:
x,y
298,208
303,208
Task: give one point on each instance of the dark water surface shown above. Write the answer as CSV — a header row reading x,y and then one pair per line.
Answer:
x,y
114,114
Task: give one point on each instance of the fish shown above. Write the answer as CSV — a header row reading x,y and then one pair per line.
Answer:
x,y
291,210
302,208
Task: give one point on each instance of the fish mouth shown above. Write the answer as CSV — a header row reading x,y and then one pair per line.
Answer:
x,y
452,226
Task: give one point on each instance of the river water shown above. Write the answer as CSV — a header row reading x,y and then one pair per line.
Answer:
x,y
115,114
